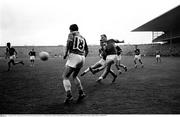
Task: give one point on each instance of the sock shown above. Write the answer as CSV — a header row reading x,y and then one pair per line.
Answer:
x,y
100,78
78,83
121,65
86,70
69,93
67,85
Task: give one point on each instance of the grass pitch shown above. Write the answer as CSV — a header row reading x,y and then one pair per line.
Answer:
x,y
154,89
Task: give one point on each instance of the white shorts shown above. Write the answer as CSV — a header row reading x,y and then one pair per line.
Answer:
x,y
111,58
158,56
32,57
12,57
75,60
137,57
118,57
101,61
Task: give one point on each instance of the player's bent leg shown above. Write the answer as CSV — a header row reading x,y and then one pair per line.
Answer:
x,y
95,66
99,69
101,66
19,62
106,70
113,74
78,84
9,65
117,64
135,62
12,61
141,63
159,59
67,84
156,60
80,88
94,69
89,69
123,66
67,87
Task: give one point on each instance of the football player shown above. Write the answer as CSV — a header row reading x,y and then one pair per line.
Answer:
x,y
11,55
111,57
32,55
158,56
100,65
137,57
76,51
118,61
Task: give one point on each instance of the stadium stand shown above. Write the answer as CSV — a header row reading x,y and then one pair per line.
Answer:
x,y
168,23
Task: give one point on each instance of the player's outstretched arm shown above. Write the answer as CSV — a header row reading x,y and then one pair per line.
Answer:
x,y
116,41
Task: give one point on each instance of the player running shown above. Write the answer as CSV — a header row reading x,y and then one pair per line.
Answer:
x,y
76,51
118,61
137,57
158,56
111,57
11,54
32,55
100,65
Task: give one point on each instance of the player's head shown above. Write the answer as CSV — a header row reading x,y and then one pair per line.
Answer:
x,y
33,49
73,27
103,39
8,44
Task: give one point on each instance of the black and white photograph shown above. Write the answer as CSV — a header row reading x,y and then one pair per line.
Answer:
x,y
89,57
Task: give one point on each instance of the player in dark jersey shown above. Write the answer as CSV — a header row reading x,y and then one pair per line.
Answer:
x,y
11,55
137,57
32,55
100,65
76,51
118,60
158,56
111,57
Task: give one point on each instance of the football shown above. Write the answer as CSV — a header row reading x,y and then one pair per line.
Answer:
x,y
44,56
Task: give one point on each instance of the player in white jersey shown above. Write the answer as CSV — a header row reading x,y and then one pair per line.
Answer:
x,y
76,51
11,54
